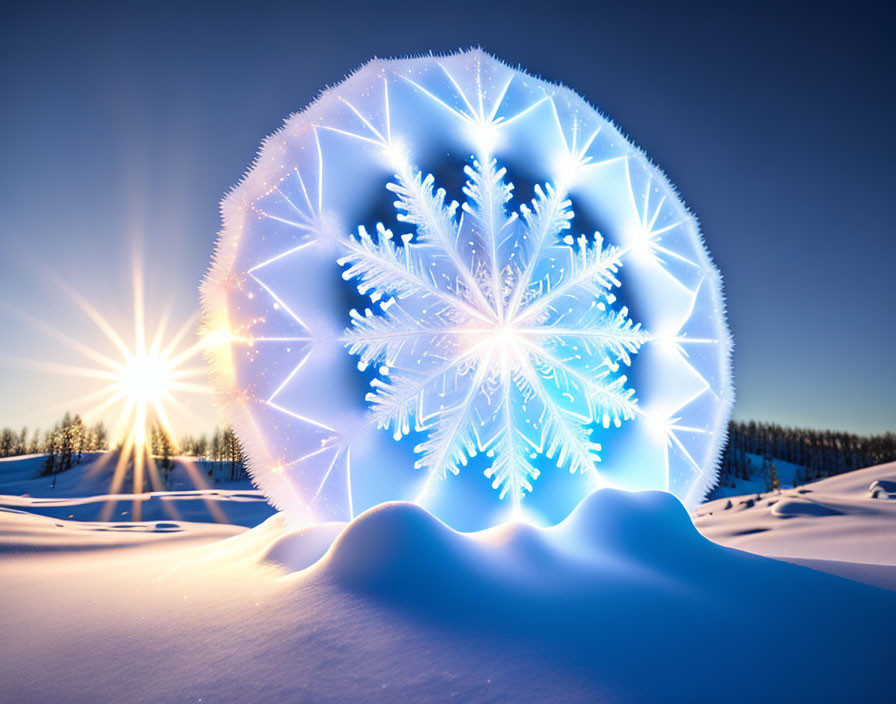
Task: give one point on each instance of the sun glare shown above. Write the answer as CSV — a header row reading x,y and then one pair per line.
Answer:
x,y
141,383
145,380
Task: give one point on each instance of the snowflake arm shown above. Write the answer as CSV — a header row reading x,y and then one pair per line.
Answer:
x,y
382,267
418,204
396,335
545,220
613,343
393,405
454,439
591,266
395,399
614,402
612,333
487,196
610,399
567,438
512,471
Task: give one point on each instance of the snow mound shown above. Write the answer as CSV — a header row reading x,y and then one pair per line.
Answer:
x,y
398,543
883,489
302,548
643,524
623,601
798,507
386,544
627,573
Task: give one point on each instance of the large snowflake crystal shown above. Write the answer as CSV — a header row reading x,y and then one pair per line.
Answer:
x,y
372,340
496,336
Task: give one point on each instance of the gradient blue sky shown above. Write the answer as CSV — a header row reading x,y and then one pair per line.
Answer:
x,y
126,123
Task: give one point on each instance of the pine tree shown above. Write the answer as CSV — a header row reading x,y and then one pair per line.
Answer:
x,y
50,445
166,449
774,483
229,441
77,439
22,443
34,447
202,446
216,445
154,448
65,443
7,442
100,437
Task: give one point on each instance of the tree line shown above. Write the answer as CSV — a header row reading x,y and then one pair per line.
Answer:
x,y
63,445
221,446
70,431
817,453
66,442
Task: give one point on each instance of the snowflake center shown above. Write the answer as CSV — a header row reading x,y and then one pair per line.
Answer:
x,y
501,341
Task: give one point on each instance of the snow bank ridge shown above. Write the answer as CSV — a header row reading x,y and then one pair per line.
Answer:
x,y
398,544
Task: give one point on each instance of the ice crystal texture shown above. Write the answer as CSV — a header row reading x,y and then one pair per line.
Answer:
x,y
373,338
496,336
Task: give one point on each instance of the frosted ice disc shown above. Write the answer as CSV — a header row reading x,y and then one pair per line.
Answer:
x,y
448,281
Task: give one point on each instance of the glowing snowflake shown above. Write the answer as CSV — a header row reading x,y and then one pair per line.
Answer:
x,y
497,337
511,335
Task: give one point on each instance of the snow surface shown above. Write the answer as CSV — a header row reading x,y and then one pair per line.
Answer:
x,y
834,524
81,493
624,601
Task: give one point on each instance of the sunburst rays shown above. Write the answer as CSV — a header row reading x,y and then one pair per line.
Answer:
x,y
140,382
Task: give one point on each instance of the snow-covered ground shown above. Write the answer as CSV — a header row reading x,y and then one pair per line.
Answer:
x,y
625,601
844,524
82,493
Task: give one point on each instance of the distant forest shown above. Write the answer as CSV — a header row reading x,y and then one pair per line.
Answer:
x,y
64,445
68,440
817,453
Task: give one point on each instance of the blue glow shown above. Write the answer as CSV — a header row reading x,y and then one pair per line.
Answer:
x,y
562,329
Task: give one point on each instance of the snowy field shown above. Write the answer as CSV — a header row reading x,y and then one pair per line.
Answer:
x,y
845,524
623,602
81,493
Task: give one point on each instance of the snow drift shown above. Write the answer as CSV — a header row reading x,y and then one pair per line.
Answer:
x,y
624,601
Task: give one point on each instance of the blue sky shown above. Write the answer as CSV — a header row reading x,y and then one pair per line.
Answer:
x,y
121,127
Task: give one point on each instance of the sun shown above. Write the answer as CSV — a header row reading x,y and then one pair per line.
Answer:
x,y
142,382
146,380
